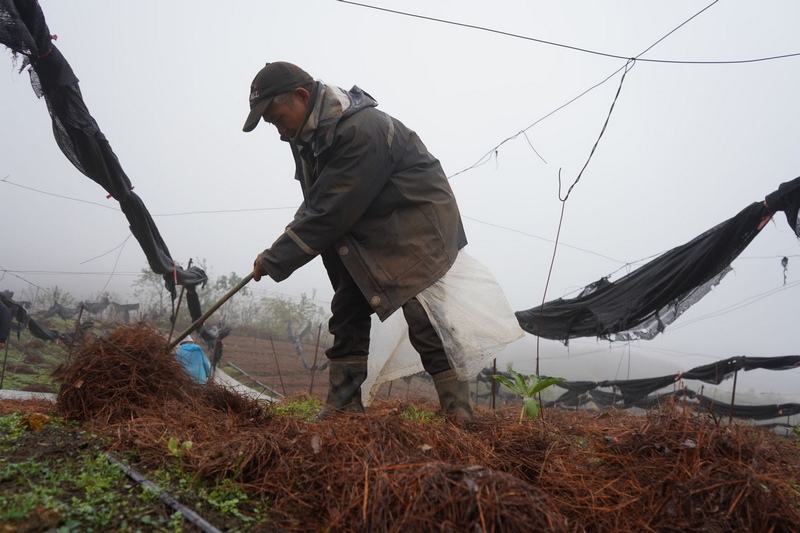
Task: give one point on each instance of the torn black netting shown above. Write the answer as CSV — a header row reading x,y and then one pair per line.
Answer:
x,y
633,390
641,304
24,31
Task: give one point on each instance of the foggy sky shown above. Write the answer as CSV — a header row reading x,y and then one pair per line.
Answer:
x,y
686,147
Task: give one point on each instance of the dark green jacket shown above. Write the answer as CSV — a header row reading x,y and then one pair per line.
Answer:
x,y
374,194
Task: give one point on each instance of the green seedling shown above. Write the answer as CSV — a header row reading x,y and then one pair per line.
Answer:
x,y
527,389
178,448
412,412
301,408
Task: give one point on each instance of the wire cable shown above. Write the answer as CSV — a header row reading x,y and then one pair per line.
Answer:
x,y
111,276
739,305
625,67
115,208
5,180
544,239
108,252
577,48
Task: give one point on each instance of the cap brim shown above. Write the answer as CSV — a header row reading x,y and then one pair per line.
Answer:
x,y
255,115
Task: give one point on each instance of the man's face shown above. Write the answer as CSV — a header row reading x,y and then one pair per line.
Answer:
x,y
287,118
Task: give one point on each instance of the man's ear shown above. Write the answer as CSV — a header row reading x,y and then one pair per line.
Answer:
x,y
302,94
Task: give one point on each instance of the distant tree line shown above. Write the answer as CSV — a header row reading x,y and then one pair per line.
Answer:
x,y
245,313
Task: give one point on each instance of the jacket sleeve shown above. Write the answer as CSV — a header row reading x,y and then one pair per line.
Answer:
x,y
359,167
5,322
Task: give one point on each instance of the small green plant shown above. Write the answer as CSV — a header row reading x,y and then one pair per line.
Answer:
x,y
527,389
302,408
44,481
177,448
412,412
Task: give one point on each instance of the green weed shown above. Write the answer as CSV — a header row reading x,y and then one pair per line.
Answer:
x,y
302,408
527,389
412,412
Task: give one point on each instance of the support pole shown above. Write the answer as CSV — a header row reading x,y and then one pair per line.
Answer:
x,y
5,360
178,307
280,376
314,368
75,334
494,382
733,396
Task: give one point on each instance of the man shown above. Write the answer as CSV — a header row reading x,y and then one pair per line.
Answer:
x,y
194,360
379,210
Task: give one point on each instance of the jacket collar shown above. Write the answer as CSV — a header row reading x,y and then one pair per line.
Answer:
x,y
330,105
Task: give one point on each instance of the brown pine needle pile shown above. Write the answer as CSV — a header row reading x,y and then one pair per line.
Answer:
x,y
571,471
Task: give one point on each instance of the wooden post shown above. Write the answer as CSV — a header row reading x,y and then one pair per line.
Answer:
x,y
5,360
314,368
75,335
274,353
177,308
494,382
733,396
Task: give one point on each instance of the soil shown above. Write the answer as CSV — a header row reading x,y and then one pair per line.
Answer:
x,y
284,371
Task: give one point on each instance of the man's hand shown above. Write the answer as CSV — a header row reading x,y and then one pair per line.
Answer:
x,y
2,345
258,270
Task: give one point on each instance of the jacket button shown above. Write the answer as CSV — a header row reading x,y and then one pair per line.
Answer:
x,y
375,301
343,250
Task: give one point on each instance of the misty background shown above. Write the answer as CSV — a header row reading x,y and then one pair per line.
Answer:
x,y
704,125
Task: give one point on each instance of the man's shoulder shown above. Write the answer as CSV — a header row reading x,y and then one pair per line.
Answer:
x,y
363,114
368,122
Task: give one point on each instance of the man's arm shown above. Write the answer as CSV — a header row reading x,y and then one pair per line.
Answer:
x,y
352,179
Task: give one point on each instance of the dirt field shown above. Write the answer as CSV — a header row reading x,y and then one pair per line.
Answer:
x,y
284,370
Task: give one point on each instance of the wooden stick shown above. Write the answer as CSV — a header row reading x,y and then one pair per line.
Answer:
x,y
245,280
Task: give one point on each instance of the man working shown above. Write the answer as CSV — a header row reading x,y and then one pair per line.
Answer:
x,y
379,210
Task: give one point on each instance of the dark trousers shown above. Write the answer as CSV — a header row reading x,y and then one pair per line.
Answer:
x,y
352,318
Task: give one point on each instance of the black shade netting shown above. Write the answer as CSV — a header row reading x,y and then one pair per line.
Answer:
x,y
24,31
641,304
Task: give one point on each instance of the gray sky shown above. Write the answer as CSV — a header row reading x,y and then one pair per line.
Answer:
x,y
687,146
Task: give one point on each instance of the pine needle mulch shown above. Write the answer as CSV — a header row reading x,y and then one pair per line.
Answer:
x,y
571,471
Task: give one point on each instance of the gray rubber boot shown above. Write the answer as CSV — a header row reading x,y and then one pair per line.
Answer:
x,y
346,375
453,396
